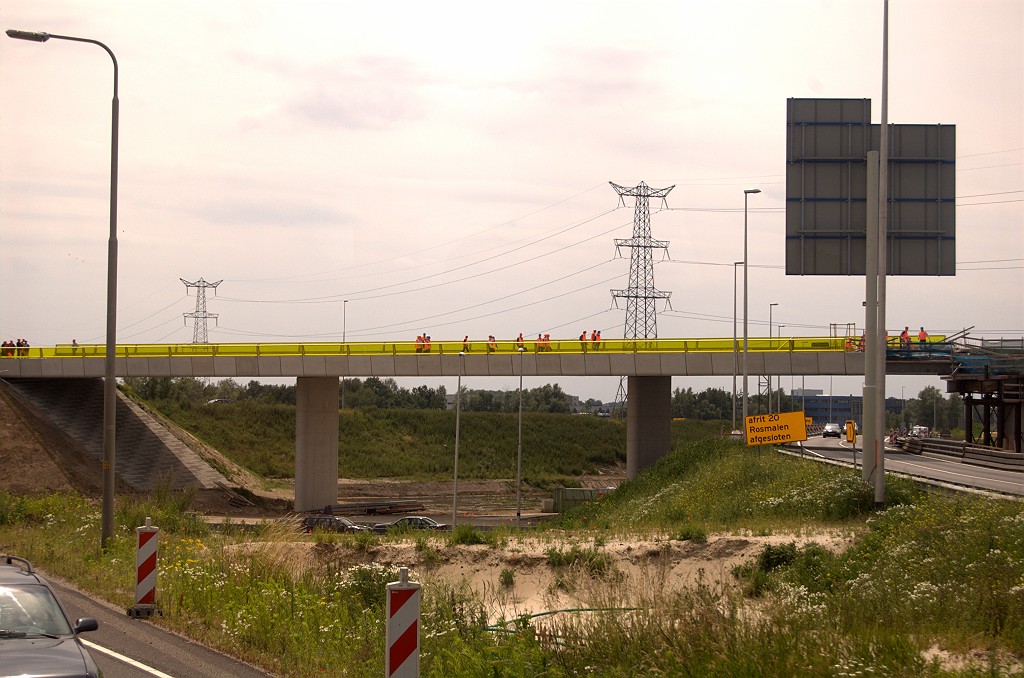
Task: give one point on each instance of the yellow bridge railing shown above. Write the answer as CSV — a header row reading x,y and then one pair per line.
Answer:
x,y
480,347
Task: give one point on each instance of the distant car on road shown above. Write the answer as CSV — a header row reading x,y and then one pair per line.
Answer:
x,y
832,431
36,636
328,523
411,523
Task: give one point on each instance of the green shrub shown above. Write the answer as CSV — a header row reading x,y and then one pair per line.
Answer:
x,y
466,535
694,533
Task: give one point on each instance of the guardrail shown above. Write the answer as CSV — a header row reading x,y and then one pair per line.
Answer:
x,y
557,346
978,455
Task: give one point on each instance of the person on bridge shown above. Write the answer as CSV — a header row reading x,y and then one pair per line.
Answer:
x,y
492,344
520,341
426,343
595,339
905,337
465,343
922,338
583,341
419,343
547,342
539,343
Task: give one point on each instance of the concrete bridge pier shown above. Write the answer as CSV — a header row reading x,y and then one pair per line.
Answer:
x,y
648,422
316,442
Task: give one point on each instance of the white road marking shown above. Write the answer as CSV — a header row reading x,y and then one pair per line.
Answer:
x,y
127,660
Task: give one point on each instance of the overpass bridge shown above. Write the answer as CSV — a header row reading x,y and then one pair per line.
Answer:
x,y
648,365
567,357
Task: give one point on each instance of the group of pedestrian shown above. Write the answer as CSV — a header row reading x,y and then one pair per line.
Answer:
x,y
542,343
595,340
13,347
906,341
423,343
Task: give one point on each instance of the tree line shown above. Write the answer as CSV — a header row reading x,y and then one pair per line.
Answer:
x,y
358,394
929,408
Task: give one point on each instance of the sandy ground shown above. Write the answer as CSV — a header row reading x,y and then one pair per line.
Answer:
x,y
639,569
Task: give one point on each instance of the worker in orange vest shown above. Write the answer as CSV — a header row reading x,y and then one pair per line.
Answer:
x,y
520,341
583,341
922,338
492,344
547,342
419,343
905,338
426,343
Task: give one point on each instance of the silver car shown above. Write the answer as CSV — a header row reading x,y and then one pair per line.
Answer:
x,y
36,636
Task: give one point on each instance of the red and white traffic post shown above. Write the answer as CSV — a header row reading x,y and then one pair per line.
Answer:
x,y
147,540
402,650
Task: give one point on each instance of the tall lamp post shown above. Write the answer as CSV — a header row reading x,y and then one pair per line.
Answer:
x,y
735,344
458,413
778,402
344,322
746,258
109,379
519,452
770,335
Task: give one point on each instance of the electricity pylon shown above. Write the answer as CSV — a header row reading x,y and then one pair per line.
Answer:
x,y
199,316
641,296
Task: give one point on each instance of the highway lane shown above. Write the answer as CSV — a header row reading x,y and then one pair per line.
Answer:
x,y
157,653
935,469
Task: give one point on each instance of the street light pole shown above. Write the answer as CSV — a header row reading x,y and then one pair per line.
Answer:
x,y
519,452
770,335
109,378
746,258
735,344
458,412
778,403
344,322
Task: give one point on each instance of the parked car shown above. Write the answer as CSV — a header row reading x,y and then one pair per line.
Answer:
x,y
832,431
411,523
329,523
36,636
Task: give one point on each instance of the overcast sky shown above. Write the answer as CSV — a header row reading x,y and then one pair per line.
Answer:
x,y
444,166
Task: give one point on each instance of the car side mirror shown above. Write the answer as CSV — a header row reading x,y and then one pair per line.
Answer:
x,y
86,624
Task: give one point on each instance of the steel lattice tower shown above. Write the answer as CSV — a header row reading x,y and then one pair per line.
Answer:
x,y
641,296
200,316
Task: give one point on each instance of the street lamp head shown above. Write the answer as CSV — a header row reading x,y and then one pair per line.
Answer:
x,y
27,35
751,190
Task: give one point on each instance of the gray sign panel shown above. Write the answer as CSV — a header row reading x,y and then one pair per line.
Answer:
x,y
827,141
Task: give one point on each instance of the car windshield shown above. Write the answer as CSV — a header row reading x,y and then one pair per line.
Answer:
x,y
31,610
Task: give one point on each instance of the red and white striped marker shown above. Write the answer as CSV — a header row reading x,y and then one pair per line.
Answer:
x,y
145,570
402,651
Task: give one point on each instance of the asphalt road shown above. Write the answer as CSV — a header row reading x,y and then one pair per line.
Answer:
x,y
930,468
154,651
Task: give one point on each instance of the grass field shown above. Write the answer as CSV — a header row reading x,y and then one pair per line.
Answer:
x,y
413,444
932,585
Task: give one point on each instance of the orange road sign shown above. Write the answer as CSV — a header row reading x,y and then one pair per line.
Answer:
x,y
776,429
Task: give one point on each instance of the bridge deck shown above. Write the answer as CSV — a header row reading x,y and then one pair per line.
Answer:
x,y
564,357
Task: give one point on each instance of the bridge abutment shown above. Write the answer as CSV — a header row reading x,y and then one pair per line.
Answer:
x,y
648,422
316,442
